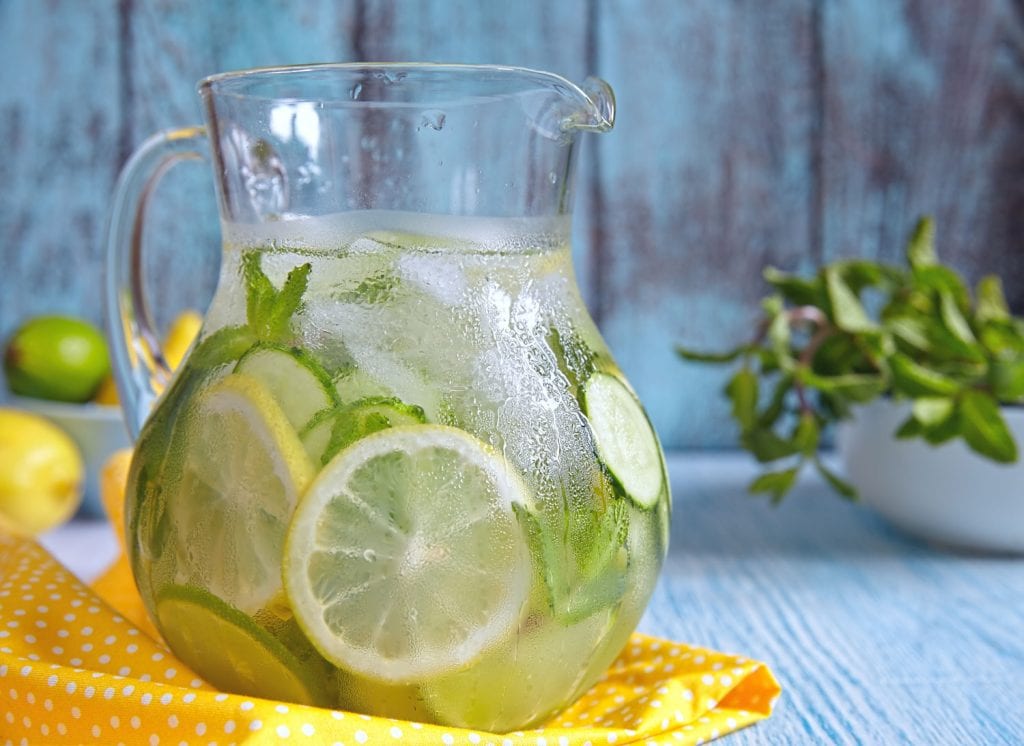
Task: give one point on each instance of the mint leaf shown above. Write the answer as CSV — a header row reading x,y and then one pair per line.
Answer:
x,y
910,428
777,404
223,346
796,290
992,304
260,292
847,312
944,431
277,323
806,435
775,483
910,331
930,411
984,428
860,274
766,445
1007,378
854,387
742,391
954,319
844,488
940,279
710,357
921,247
582,564
913,379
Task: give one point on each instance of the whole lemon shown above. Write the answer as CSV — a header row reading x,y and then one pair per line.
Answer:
x,y
180,336
58,358
41,473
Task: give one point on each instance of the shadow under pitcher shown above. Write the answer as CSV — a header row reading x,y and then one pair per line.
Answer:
x,y
399,472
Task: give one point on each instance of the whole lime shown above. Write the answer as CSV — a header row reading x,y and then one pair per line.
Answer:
x,y
56,357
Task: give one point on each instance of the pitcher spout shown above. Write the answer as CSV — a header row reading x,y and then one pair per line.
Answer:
x,y
597,110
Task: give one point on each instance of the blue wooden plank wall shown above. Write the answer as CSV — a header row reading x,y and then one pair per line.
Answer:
x,y
789,132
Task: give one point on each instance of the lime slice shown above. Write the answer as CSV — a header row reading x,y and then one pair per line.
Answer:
x,y
368,416
405,559
230,651
518,686
625,440
334,429
316,435
298,382
242,472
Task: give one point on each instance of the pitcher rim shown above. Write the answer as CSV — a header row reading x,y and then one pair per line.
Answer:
x,y
213,83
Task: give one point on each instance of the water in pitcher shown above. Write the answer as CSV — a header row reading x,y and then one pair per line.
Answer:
x,y
399,474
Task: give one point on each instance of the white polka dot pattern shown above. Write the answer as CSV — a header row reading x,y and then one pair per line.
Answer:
x,y
74,670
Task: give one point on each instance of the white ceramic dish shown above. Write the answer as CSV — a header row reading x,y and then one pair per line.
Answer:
x,y
97,429
946,494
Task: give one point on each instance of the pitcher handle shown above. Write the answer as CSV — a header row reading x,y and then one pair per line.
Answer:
x,y
139,366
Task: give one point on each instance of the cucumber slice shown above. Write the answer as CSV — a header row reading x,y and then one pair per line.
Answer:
x,y
624,438
232,652
298,382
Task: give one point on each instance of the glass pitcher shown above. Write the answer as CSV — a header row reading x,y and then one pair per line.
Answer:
x,y
399,472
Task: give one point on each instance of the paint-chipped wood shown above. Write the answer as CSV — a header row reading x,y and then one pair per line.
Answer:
x,y
924,113
60,119
705,179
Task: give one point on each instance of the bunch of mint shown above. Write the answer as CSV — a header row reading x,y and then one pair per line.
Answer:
x,y
818,351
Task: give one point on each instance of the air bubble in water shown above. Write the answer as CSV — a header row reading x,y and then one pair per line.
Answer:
x,y
390,78
357,89
369,555
433,119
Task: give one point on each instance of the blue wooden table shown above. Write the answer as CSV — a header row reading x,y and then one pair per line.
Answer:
x,y
876,638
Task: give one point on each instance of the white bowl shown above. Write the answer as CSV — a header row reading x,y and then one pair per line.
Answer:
x,y
97,429
948,493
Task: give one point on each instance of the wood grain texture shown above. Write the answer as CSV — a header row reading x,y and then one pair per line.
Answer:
x,y
876,638
704,180
60,119
924,113
748,133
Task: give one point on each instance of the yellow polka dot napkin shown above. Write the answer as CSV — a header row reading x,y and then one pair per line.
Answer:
x,y
75,670
81,665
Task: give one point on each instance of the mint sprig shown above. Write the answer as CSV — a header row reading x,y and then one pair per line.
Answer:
x,y
268,312
859,330
582,559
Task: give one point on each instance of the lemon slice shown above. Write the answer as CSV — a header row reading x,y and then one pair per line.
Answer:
x,y
405,559
243,470
520,686
230,651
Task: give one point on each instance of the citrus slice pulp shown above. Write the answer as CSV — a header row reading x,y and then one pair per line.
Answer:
x,y
405,559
